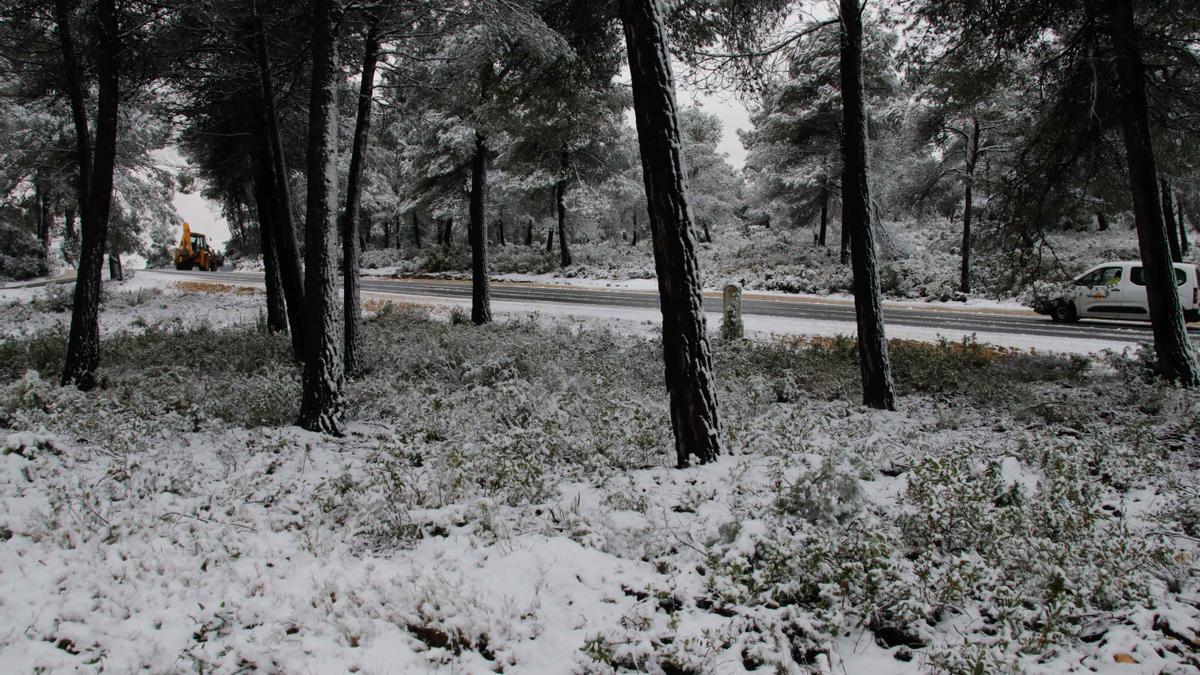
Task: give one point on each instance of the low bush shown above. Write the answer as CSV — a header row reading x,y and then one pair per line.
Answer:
x,y
20,254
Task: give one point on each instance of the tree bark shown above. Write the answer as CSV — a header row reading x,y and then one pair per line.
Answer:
x,y
560,203
844,252
448,232
277,227
1101,222
323,405
95,183
529,232
44,221
549,240
1169,220
1176,358
481,301
277,314
500,231
69,234
116,271
351,300
635,229
416,223
821,234
874,362
969,206
276,305
686,354
283,229
1184,242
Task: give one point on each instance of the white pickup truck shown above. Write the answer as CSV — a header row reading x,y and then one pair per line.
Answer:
x,y
1117,290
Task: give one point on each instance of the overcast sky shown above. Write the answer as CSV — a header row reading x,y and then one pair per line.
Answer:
x,y
205,216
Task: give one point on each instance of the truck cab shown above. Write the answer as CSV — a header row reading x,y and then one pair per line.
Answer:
x,y
1117,290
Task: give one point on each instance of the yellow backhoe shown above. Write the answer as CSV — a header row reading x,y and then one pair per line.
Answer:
x,y
194,251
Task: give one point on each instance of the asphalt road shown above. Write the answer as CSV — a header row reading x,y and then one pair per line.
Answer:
x,y
949,318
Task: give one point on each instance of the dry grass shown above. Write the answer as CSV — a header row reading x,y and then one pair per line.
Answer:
x,y
378,304
210,287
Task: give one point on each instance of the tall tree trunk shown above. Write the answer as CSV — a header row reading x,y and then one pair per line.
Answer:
x,y
1184,242
635,229
95,183
278,229
549,240
416,229
323,405
1101,222
116,271
1169,220
44,221
964,284
276,303
1176,358
69,234
529,232
277,316
844,251
448,232
821,234
690,380
351,300
481,301
283,222
560,203
500,230
874,363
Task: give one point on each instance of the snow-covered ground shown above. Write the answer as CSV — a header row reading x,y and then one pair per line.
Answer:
x,y
146,299
504,501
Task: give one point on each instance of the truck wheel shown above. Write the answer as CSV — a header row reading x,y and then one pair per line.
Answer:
x,y
1064,312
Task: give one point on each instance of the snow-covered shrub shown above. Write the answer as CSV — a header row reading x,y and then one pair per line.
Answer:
x,y
828,495
1039,562
20,253
55,298
44,352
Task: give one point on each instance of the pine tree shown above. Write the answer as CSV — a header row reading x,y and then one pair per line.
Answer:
x,y
873,359
96,161
351,302
689,371
322,407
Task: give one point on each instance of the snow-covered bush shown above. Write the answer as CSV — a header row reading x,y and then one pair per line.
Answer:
x,y
20,253
55,298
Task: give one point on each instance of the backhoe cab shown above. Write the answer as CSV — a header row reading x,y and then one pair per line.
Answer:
x,y
194,251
